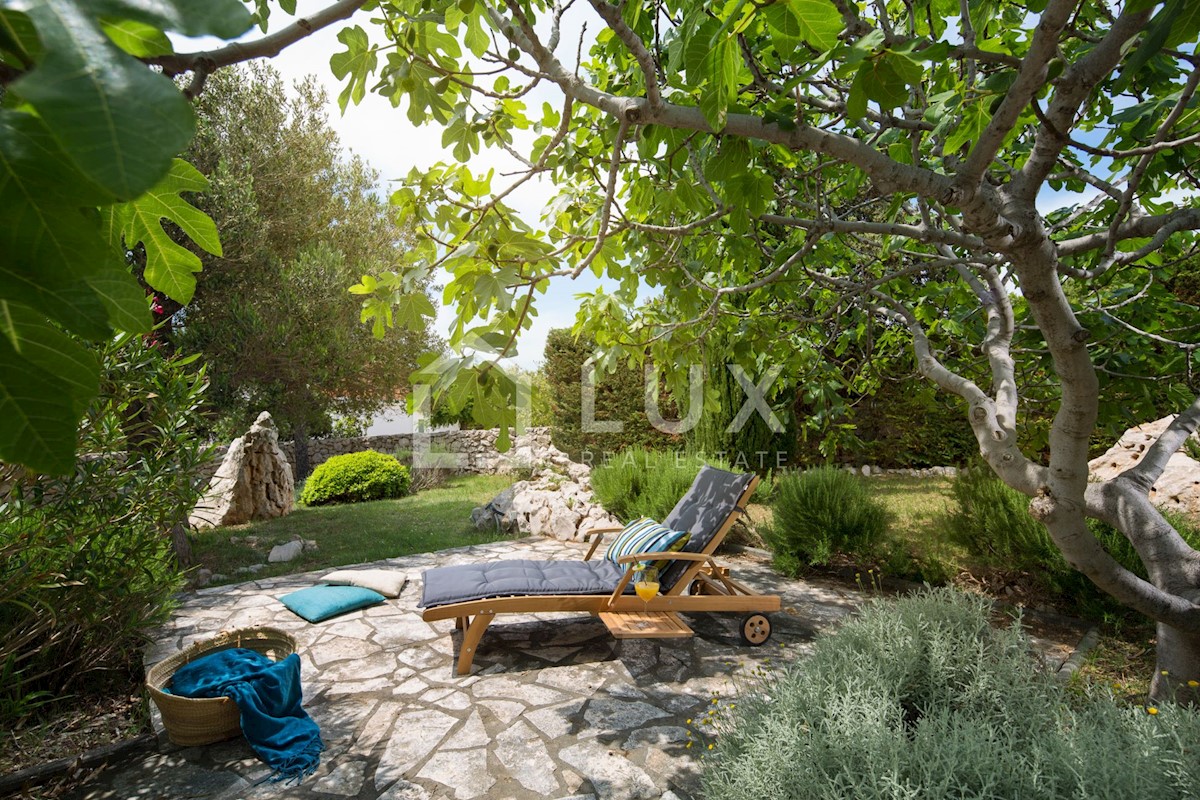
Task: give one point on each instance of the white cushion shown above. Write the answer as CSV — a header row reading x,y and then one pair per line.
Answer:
x,y
388,582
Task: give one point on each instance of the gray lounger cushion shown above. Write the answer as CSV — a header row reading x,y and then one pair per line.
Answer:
x,y
702,511
464,582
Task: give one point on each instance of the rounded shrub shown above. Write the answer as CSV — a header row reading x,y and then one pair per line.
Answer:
x,y
355,478
922,698
820,512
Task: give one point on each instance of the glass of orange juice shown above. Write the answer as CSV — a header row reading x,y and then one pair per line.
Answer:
x,y
646,585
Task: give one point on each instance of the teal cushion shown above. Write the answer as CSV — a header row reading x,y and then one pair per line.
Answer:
x,y
322,602
646,536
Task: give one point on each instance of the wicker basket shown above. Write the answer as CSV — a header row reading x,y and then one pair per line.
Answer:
x,y
196,721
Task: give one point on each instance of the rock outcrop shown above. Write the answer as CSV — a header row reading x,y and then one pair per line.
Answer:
x,y
254,481
556,502
1177,489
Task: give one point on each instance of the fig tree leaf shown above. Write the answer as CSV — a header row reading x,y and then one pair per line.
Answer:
x,y
19,37
51,245
47,347
118,122
974,120
170,267
137,38
856,101
227,19
820,22
355,64
37,414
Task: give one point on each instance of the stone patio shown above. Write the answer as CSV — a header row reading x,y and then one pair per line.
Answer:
x,y
555,707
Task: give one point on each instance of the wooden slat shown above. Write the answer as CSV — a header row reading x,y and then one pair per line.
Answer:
x,y
645,624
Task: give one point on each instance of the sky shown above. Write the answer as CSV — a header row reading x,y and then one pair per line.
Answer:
x,y
384,137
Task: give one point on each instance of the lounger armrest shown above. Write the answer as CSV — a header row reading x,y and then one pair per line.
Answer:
x,y
663,556
599,534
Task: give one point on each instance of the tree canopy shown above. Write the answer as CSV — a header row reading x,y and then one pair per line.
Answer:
x,y
89,135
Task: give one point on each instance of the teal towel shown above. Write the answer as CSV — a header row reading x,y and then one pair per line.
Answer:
x,y
267,694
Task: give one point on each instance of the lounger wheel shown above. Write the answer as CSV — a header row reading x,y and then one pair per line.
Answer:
x,y
756,629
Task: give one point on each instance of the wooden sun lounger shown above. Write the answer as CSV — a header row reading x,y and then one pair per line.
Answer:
x,y
625,615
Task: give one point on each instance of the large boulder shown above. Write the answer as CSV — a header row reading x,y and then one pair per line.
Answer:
x,y
497,512
254,481
1177,489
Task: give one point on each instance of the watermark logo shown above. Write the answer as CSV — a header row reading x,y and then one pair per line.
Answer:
x,y
738,459
755,392
756,400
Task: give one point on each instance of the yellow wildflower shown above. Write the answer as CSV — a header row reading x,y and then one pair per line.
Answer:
x,y
1152,710
1193,684
710,747
1164,672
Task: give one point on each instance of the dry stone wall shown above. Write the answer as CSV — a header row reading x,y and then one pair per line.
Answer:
x,y
477,448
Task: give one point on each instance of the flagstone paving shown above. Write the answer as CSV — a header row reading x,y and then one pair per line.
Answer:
x,y
554,708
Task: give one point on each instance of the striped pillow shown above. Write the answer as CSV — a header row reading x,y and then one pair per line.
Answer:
x,y
646,536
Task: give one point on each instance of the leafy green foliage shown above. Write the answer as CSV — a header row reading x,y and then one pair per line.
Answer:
x,y
921,697
643,483
992,521
820,512
619,398
818,185
899,421
85,560
1120,548
754,447
355,478
169,265
85,126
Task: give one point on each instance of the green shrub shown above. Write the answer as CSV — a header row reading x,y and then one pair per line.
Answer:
x,y
355,478
992,521
820,512
86,560
1119,547
921,698
643,483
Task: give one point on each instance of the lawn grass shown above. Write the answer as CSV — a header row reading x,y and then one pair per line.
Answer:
x,y
434,519
917,506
